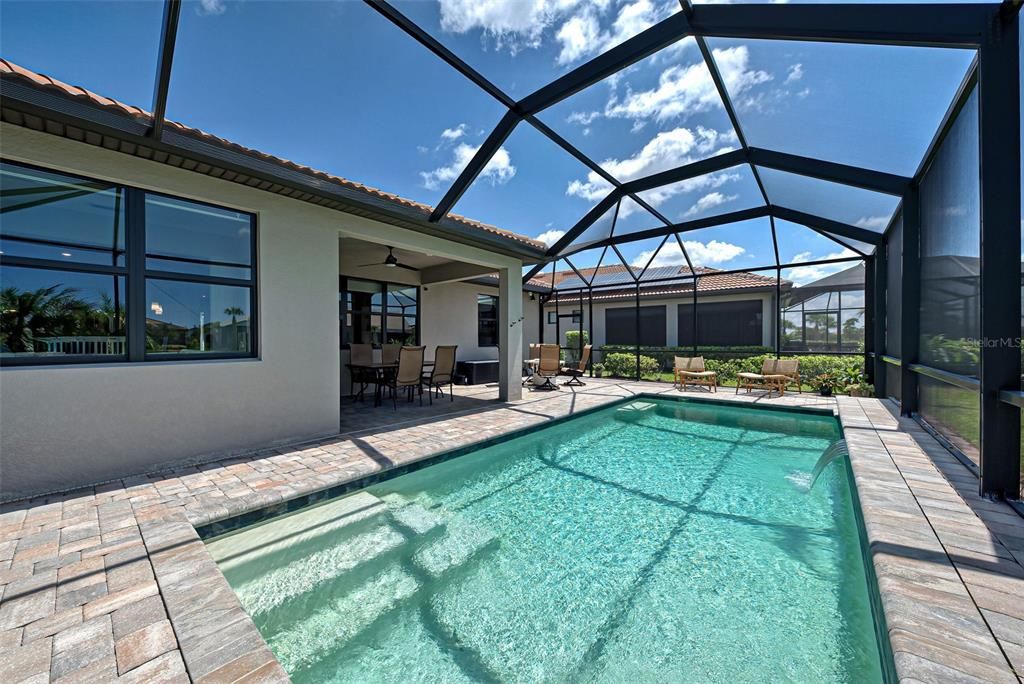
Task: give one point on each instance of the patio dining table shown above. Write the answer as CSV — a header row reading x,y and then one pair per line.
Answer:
x,y
379,371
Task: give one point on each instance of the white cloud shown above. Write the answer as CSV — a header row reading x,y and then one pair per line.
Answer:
x,y
581,34
550,237
578,36
796,72
513,25
666,150
686,90
873,222
701,253
499,169
211,7
452,134
582,118
801,275
709,201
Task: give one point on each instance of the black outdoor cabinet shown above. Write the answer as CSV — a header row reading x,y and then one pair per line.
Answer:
x,y
478,372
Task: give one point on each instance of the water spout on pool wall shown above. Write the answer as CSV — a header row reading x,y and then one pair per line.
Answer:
x,y
834,451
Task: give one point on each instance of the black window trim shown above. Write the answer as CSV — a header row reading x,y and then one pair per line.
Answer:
x,y
136,274
497,321
343,287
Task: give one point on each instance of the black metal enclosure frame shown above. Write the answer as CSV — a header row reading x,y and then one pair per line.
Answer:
x,y
991,30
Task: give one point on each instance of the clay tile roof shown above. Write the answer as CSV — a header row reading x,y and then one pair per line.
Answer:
x,y
9,69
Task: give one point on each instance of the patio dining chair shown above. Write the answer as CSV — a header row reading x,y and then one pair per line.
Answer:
x,y
691,371
389,353
360,355
442,373
409,375
548,368
576,373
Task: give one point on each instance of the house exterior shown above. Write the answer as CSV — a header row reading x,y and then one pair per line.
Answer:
x,y
734,309
176,300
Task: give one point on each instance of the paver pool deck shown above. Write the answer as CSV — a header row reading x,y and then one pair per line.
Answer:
x,y
112,581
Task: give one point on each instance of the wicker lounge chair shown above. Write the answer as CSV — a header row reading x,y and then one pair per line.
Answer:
x,y
576,373
409,375
776,374
691,371
548,367
442,373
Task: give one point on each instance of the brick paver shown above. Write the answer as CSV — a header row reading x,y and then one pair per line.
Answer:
x,y
112,582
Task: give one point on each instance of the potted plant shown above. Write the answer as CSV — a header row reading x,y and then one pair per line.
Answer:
x,y
598,370
861,389
824,384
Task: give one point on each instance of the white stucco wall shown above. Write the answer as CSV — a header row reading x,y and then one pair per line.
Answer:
x,y
449,316
72,425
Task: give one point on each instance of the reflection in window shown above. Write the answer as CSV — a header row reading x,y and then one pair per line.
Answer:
x,y
46,313
487,320
61,218
188,237
378,313
402,302
66,271
183,318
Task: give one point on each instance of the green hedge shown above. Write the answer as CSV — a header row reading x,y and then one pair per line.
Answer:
x,y
620,365
623,365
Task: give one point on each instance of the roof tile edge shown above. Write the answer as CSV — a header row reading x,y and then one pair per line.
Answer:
x,y
9,69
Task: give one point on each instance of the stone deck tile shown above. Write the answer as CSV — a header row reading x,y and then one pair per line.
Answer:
x,y
120,568
945,571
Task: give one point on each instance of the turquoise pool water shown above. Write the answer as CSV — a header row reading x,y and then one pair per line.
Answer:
x,y
651,541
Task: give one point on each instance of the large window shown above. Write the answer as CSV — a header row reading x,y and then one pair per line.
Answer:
x,y
620,326
487,320
372,312
91,271
722,324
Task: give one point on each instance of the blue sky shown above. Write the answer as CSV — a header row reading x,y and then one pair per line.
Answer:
x,y
333,85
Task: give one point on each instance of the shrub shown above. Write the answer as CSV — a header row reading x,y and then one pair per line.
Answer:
x,y
621,365
575,340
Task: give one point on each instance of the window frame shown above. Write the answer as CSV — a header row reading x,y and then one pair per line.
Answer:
x,y
497,321
553,316
343,287
135,275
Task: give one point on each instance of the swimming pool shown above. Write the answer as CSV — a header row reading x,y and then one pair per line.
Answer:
x,y
652,540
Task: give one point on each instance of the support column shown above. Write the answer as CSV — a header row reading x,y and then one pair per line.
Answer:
x,y
879,321
910,300
510,334
869,318
999,130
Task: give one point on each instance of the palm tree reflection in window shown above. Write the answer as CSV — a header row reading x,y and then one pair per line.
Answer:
x,y
58,320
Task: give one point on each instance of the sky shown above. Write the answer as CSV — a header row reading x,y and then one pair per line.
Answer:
x,y
334,85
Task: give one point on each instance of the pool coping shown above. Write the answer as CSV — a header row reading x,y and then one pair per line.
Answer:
x,y
928,614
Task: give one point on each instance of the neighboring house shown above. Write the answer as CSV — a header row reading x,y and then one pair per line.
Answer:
x,y
170,298
733,309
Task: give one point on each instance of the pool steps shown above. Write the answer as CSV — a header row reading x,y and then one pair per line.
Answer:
x,y
282,583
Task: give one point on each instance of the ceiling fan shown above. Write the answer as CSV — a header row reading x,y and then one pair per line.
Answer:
x,y
391,261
